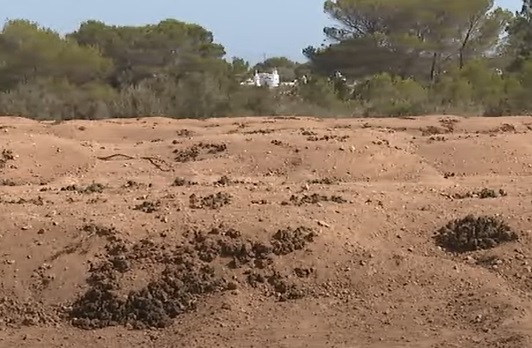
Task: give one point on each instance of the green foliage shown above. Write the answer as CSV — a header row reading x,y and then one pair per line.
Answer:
x,y
519,44
406,37
384,95
318,91
398,57
31,52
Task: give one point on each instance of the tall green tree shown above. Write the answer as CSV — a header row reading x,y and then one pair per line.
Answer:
x,y
240,68
520,36
29,52
140,52
406,37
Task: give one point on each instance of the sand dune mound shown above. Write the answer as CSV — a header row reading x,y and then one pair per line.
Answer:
x,y
41,158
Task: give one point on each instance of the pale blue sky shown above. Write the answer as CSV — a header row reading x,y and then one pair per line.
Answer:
x,y
247,28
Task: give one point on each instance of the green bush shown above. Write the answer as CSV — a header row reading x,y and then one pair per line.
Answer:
x,y
385,95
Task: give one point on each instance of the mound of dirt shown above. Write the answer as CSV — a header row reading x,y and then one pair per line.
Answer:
x,y
475,233
39,158
190,271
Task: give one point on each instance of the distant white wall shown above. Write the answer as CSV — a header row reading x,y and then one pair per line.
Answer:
x,y
271,80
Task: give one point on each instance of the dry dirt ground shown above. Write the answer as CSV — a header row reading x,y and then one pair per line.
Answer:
x,y
266,232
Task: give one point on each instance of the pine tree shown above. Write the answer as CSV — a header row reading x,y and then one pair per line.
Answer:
x,y
521,32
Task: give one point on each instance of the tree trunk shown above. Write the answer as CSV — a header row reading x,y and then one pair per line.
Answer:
x,y
433,67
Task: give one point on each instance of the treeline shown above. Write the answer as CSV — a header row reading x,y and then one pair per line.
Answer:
x,y
386,58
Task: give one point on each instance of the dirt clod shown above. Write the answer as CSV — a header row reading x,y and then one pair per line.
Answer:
x,y
185,133
148,206
324,181
7,182
474,233
197,151
189,274
179,181
316,198
212,201
91,188
481,194
6,156
289,240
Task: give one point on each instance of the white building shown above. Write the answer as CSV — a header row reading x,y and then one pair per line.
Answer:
x,y
271,80
267,79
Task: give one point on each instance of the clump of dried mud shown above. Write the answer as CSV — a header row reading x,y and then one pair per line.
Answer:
x,y
342,138
148,207
91,188
194,152
447,127
324,181
226,181
315,198
210,262
15,313
180,181
6,156
212,201
289,240
474,233
481,194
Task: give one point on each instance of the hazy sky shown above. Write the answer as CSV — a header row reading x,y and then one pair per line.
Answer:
x,y
271,28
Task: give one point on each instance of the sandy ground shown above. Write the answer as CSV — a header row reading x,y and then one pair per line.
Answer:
x,y
262,232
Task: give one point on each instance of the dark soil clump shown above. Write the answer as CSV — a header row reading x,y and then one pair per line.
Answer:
x,y
185,133
100,231
481,194
187,155
6,156
190,272
132,184
261,131
194,152
7,182
447,127
212,201
179,182
148,207
92,188
286,241
315,198
342,138
474,233
324,181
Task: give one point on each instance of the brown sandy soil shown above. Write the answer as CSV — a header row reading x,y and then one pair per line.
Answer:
x,y
278,232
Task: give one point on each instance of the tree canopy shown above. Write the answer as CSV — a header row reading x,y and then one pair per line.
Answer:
x,y
419,38
381,57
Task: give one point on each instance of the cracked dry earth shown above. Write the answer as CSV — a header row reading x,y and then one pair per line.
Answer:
x,y
266,232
